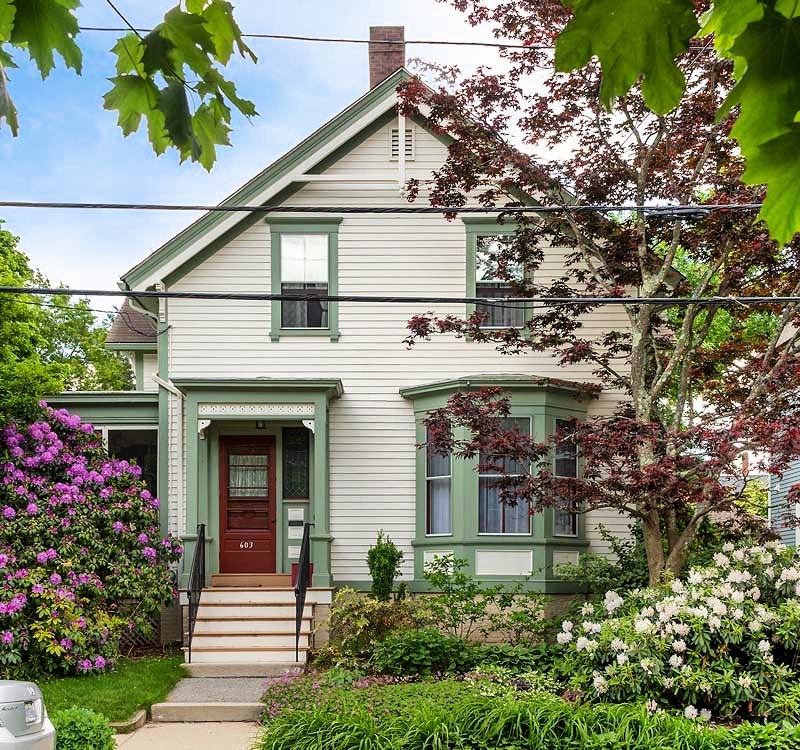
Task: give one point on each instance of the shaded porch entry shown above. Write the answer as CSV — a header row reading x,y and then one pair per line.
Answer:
x,y
247,504
244,439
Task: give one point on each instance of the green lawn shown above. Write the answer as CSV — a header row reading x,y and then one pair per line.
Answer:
x,y
131,685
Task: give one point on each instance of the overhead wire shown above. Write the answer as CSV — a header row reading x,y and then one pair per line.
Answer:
x,y
351,40
551,301
685,210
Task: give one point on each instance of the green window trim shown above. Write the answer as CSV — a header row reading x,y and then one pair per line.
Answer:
x,y
483,226
326,226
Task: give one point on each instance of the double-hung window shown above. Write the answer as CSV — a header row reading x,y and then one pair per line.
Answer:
x,y
304,265
304,272
565,520
494,515
438,484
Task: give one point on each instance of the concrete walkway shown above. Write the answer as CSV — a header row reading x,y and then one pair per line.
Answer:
x,y
217,690
186,736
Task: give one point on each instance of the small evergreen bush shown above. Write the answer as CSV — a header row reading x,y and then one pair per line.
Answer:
x,y
82,729
384,560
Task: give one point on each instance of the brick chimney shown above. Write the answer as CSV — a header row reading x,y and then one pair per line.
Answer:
x,y
384,59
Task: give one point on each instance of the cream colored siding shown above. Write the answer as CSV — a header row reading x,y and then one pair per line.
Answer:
x,y
150,362
372,452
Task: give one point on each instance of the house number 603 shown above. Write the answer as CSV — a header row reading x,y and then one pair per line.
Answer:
x,y
246,545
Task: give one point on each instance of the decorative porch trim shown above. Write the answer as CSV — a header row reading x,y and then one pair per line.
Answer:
x,y
305,411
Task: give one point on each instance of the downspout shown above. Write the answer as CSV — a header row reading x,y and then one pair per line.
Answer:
x,y
170,387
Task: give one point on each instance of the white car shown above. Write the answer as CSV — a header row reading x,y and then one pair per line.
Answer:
x,y
23,718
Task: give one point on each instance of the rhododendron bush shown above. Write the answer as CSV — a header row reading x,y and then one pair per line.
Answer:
x,y
721,642
81,556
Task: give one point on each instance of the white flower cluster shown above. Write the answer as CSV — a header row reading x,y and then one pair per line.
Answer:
x,y
665,642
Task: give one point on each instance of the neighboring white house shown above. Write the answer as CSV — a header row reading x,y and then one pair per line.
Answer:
x,y
251,417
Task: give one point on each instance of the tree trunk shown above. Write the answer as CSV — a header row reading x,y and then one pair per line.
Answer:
x,y
654,548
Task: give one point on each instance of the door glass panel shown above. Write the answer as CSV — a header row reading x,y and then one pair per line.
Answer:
x,y
295,463
248,490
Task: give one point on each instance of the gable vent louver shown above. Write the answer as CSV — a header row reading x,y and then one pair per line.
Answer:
x,y
409,144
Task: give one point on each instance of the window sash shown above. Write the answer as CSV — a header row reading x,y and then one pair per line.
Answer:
x,y
311,313
489,284
565,522
494,516
438,491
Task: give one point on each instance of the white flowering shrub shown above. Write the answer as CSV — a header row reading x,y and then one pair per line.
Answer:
x,y
721,642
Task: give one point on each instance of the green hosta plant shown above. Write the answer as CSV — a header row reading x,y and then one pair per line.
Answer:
x,y
721,642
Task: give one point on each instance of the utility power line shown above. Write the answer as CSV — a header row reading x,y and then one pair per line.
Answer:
x,y
350,40
684,210
384,299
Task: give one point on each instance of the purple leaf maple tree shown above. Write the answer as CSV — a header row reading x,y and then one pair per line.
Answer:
x,y
698,385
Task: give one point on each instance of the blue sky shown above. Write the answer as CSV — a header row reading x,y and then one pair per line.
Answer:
x,y
70,149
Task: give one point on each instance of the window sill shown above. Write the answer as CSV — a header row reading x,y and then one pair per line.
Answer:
x,y
503,535
305,332
449,535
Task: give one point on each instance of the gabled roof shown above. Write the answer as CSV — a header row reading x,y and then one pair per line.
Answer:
x,y
131,326
266,184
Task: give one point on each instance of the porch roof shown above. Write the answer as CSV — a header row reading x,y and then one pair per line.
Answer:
x,y
331,387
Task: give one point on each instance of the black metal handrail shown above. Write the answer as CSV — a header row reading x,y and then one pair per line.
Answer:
x,y
197,580
301,585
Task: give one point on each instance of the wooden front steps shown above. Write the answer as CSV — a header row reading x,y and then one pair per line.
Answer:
x,y
238,624
251,580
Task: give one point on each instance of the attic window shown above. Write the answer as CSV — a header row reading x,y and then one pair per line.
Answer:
x,y
395,144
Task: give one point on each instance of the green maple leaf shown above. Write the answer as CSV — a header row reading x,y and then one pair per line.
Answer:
x,y
189,41
174,105
7,12
225,32
156,53
214,83
8,111
727,19
788,8
209,132
632,39
135,97
129,50
45,27
775,164
768,89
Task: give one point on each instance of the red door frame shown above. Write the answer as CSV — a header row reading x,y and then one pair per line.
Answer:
x,y
247,550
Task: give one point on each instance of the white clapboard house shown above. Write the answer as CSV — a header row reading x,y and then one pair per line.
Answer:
x,y
253,418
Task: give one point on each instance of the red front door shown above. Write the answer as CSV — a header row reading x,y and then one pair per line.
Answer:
x,y
247,504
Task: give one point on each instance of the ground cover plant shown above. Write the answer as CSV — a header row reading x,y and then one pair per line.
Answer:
x,y
119,692
81,555
723,642
307,712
